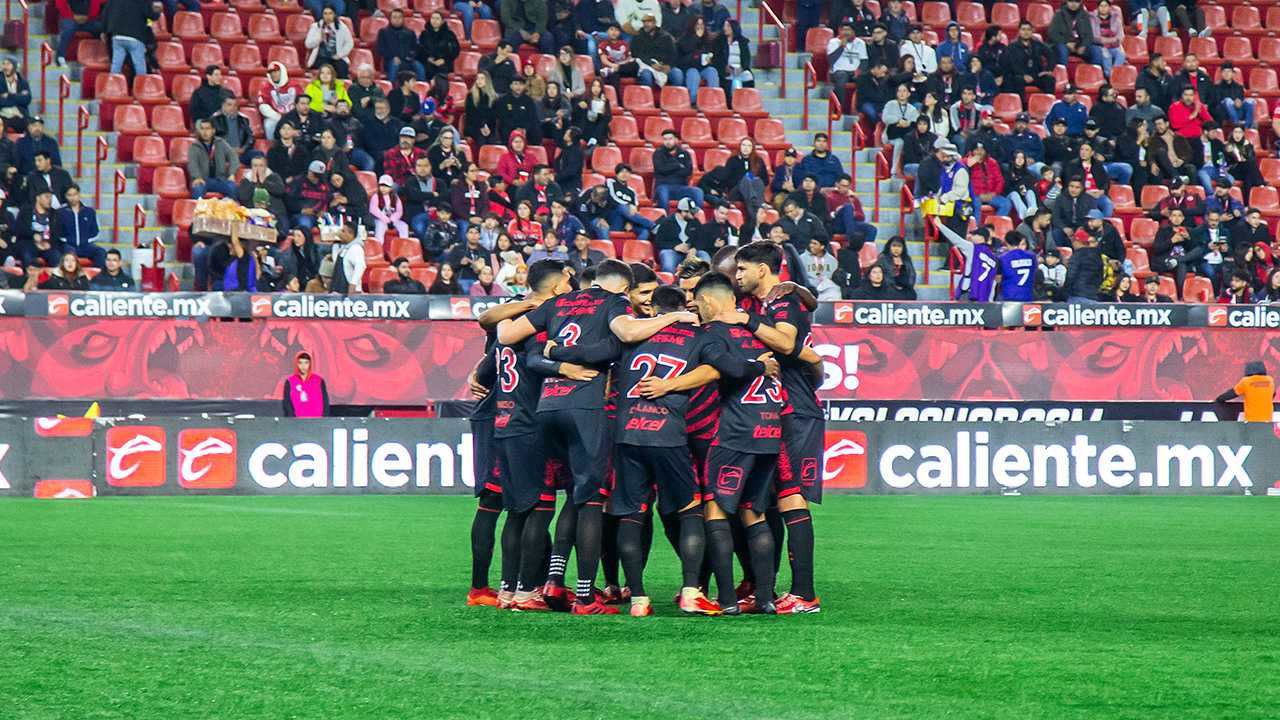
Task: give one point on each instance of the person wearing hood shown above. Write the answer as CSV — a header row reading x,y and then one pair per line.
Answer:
x,y
1258,390
1071,33
954,47
261,177
955,187
303,257
277,96
517,165
208,98
330,43
305,394
322,283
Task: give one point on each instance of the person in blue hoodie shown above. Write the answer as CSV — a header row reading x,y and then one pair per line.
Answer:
x,y
1069,108
80,228
822,164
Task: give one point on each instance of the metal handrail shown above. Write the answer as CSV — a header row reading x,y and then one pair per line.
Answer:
x,y
101,150
118,185
930,235
83,118
907,203
782,32
64,92
835,111
26,23
810,83
882,173
139,219
46,59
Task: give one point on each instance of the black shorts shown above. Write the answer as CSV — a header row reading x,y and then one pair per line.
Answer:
x,y
483,455
638,469
800,463
524,471
700,448
740,479
577,437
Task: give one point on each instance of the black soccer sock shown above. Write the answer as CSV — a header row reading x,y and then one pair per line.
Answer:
x,y
760,540
566,531
609,549
631,551
646,534
671,528
692,545
778,528
741,550
512,532
800,549
483,529
590,521
720,550
532,543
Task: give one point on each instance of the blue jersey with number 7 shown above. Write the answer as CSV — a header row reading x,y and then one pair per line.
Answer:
x,y
1018,271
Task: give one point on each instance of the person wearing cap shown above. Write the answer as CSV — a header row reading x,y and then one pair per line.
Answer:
x,y
1231,104
1178,197
1085,273
914,46
822,164
1108,236
1229,209
1071,33
308,196
845,55
1258,390
954,188
399,161
1069,108
1093,175
1025,140
35,140
1029,62
981,266
786,177
1051,275
1151,291
987,180
37,233
387,210
211,164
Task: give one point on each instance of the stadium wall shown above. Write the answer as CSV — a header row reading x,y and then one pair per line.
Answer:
x,y
78,457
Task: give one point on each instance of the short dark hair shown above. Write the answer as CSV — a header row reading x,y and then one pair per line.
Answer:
x,y
620,167
615,269
588,275
47,156
396,263
762,252
714,282
208,69
671,131
1026,23
115,252
668,298
692,267
543,272
824,136
540,167
1150,58
1240,275
507,44
641,274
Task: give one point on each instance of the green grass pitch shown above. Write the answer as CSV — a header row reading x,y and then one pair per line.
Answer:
x,y
352,608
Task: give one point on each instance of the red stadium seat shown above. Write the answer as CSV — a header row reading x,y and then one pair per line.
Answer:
x,y
369,28
747,103
112,88
205,54
1089,77
378,277
188,26
1039,104
1123,78
1141,263
171,182
485,34
184,85
168,121
674,101
715,157
638,251
1152,195
815,41
178,147
1244,17
1122,197
1007,16
868,255
226,27
696,133
1265,199
654,126
246,59
587,67
172,57
1197,289
93,54
1143,231
1263,81
1270,169
1007,106
130,120
623,131
712,103
638,99
184,213
489,157
542,64
296,27
1204,48
1268,50
935,14
1039,15
1000,224
426,7
425,275
149,90
1171,48
641,161
374,255
604,246
605,159
1215,16
1273,18
288,55
459,30
467,65
971,16
771,135
730,131
264,29
409,248
1135,51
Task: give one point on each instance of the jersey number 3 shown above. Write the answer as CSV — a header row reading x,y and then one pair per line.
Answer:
x,y
507,374
647,363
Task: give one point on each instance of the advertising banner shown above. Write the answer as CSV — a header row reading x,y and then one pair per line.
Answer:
x,y
76,457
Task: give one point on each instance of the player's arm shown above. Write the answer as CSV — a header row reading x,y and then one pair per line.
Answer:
x,y
630,329
591,354
781,338
511,332
483,376
786,288
504,311
536,362
654,387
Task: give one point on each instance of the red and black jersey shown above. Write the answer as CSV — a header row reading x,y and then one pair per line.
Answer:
x,y
750,403
517,389
703,414
656,423
798,383
579,325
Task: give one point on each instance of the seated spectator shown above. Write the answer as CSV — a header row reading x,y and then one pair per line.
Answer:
x,y
306,121
276,97
1108,33
1020,186
1071,33
614,57
271,278
592,114
499,199
387,210
548,247
211,164
857,13
323,281
1093,174
626,216
469,197
303,257
655,52
539,192
516,112
1051,275
1175,249
1172,153
819,267
470,10
446,282
554,111
786,177
882,47
953,46
438,47
524,229
595,208
1151,291
516,165
420,196
845,55
37,232
480,125
112,278
397,45
1214,160
525,22
346,202
484,286
984,82
500,68
987,180
1124,289
946,83
67,275
287,157
316,6
1230,210
926,57
1190,18
308,197
966,116
1030,63
1178,197
208,98
1187,117
1232,105
1060,148
809,199
583,255
1213,236
673,236
468,257
899,269
801,225
846,213
994,54
1070,211
732,56
233,127
566,74
404,283
875,286
695,52
566,226
570,161
514,278
399,162
715,233
383,133
873,91
672,166
79,224
917,146
1238,291
443,235
45,176
260,176
1085,271
1242,160
675,17
330,43
364,94
76,16
35,140
326,89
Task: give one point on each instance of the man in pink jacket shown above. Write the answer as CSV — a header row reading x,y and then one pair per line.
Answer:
x,y
305,394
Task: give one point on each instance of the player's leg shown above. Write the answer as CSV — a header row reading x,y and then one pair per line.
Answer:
x,y
799,484
609,561
558,597
632,484
532,540
680,496
512,534
530,505
483,529
725,472
588,463
800,542
756,496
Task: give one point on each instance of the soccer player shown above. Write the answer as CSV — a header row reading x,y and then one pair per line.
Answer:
x,y
653,448
522,465
782,324
589,326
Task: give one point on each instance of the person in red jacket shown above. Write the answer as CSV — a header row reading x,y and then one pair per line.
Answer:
x,y
987,180
76,16
846,213
305,394
1186,118
517,163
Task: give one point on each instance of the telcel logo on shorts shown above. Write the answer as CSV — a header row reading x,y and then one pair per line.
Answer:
x,y
844,459
135,456
260,306
207,458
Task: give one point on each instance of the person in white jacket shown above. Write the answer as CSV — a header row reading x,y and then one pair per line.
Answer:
x,y
330,43
630,13
926,57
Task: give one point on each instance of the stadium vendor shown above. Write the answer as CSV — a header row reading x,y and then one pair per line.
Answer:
x,y
1258,390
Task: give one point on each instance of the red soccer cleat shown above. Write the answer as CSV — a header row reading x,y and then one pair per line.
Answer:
x,y
558,597
697,605
641,608
506,603
747,605
533,604
484,596
595,608
795,605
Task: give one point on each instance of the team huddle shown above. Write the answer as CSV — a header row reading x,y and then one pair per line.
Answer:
x,y
697,403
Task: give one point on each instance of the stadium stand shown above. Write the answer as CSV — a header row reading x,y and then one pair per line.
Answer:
x,y
127,138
